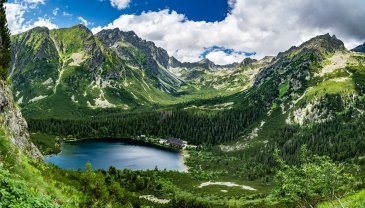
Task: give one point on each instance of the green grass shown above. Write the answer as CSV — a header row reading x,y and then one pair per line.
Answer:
x,y
47,144
57,105
352,201
72,39
293,53
186,185
191,184
283,88
22,178
331,87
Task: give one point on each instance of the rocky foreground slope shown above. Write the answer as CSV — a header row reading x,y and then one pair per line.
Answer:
x,y
14,125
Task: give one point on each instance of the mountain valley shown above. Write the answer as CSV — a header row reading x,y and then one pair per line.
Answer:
x,y
250,125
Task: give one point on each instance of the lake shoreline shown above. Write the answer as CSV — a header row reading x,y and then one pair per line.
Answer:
x,y
128,140
185,155
120,153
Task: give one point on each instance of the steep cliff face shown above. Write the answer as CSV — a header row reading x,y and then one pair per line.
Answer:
x,y
14,124
142,54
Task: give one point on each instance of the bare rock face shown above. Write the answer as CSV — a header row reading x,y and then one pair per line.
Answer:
x,y
14,123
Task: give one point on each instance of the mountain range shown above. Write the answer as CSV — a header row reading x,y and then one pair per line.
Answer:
x,y
71,68
111,69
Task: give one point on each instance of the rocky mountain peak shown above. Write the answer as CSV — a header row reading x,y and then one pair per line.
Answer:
x,y
207,62
204,63
324,42
81,27
247,61
154,53
111,36
140,53
116,34
39,30
173,62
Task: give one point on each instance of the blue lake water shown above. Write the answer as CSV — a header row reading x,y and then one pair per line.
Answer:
x,y
121,154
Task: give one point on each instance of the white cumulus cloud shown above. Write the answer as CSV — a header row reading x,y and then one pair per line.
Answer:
x,y
16,21
263,26
43,22
15,17
120,4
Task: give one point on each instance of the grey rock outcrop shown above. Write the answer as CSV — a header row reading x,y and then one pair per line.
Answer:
x,y
15,125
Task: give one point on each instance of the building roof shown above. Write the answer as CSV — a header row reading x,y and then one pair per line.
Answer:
x,y
175,141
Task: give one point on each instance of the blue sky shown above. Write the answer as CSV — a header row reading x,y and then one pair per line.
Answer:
x,y
224,31
66,13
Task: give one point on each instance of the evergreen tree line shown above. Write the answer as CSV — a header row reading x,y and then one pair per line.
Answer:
x,y
4,43
341,138
196,129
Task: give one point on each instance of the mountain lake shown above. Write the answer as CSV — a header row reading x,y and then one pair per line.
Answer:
x,y
118,153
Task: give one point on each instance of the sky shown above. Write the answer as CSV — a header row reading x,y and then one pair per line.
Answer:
x,y
224,31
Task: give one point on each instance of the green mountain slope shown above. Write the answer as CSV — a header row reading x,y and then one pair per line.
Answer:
x,y
63,70
318,102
